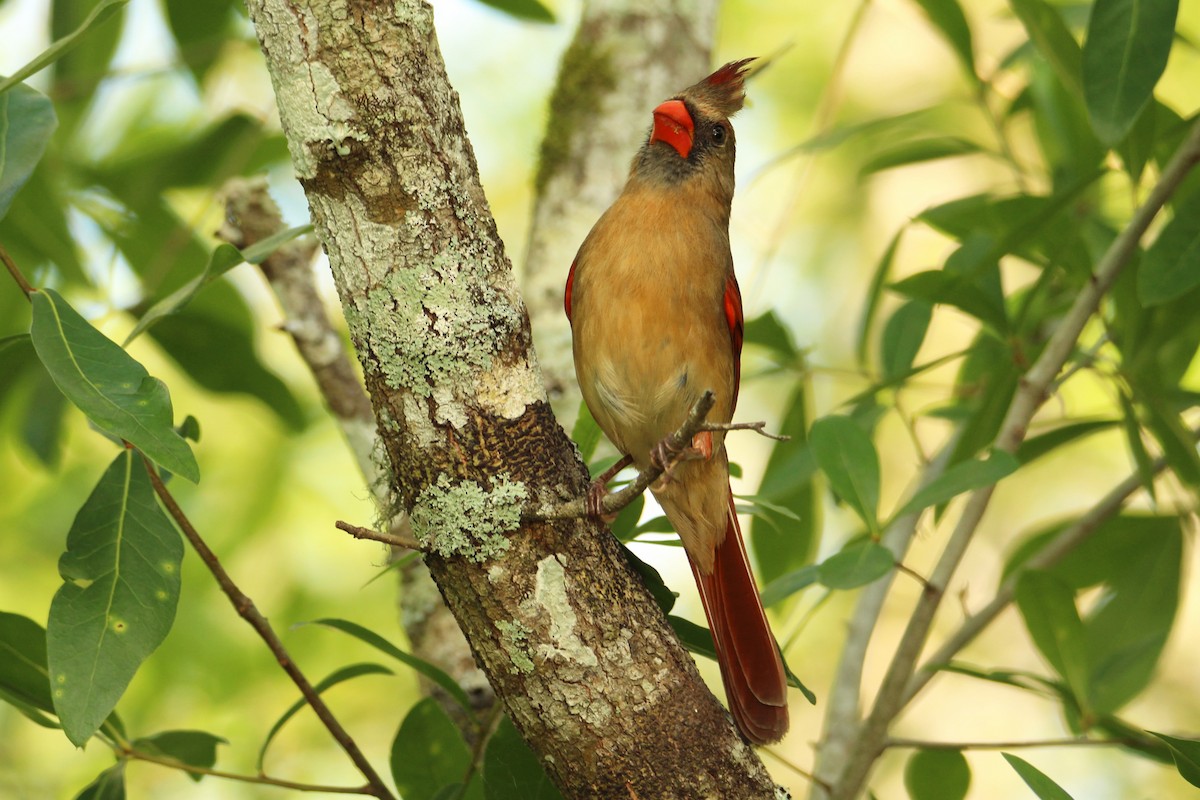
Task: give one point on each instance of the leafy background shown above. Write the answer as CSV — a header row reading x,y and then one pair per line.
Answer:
x,y
144,138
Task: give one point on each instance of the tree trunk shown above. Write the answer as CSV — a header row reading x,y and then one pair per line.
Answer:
x,y
569,637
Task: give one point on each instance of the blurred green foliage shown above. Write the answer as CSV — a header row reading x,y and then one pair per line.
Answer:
x,y
949,174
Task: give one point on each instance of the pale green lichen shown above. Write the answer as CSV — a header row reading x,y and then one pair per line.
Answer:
x,y
513,636
465,519
435,325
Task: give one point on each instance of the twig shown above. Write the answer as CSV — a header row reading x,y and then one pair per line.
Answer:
x,y
16,274
757,427
247,610
394,539
167,761
614,502
803,773
1047,557
918,744
1031,393
489,726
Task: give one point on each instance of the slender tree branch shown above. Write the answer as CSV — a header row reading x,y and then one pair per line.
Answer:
x,y
757,427
1031,393
398,539
249,612
16,273
617,500
919,744
1047,557
167,761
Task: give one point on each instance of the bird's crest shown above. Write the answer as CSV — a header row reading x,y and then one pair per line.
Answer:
x,y
723,91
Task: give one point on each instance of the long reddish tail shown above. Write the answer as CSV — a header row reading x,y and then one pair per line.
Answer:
x,y
750,665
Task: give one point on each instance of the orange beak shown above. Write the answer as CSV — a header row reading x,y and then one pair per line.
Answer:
x,y
673,125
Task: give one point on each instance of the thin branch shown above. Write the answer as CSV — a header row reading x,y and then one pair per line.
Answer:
x,y
757,427
1031,393
614,502
167,761
803,773
918,744
16,273
247,610
399,539
1047,557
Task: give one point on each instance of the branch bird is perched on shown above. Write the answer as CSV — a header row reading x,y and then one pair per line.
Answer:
x,y
656,317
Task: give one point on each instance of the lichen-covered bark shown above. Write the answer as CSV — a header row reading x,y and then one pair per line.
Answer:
x,y
627,57
565,631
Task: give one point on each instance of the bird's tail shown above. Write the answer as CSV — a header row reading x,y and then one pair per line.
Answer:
x,y
751,668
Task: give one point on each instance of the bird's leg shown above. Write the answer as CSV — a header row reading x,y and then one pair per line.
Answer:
x,y
598,488
666,455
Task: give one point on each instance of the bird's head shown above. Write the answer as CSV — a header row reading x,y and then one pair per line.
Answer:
x,y
692,136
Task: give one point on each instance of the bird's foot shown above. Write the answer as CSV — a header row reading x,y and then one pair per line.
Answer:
x,y
666,455
598,490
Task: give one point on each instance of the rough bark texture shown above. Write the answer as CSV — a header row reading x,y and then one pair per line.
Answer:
x,y
569,637
250,217
627,57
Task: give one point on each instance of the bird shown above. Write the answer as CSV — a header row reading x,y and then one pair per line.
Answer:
x,y
656,320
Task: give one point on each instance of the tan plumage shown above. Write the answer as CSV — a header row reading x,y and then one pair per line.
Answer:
x,y
656,320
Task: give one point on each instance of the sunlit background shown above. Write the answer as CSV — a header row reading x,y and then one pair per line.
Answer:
x,y
807,232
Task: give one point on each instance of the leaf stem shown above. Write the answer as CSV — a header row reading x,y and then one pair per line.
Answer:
x,y
16,273
167,761
246,609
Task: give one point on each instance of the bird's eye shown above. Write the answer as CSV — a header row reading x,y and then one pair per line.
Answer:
x,y
718,134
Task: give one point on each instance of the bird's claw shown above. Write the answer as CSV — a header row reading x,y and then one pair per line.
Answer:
x,y
594,500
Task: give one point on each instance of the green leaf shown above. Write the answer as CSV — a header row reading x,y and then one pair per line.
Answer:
x,y
879,279
219,321
937,775
858,564
106,384
788,584
1126,633
27,122
650,576
1171,267
102,11
1043,444
849,461
1052,38
200,30
947,16
965,476
918,151
624,527
585,433
1137,448
768,331
788,482
224,258
24,679
955,289
194,748
902,338
109,785
1186,753
511,771
1125,53
117,602
332,679
1035,779
1047,605
429,754
531,10
433,673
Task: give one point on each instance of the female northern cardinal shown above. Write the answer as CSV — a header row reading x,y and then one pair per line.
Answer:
x,y
656,317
